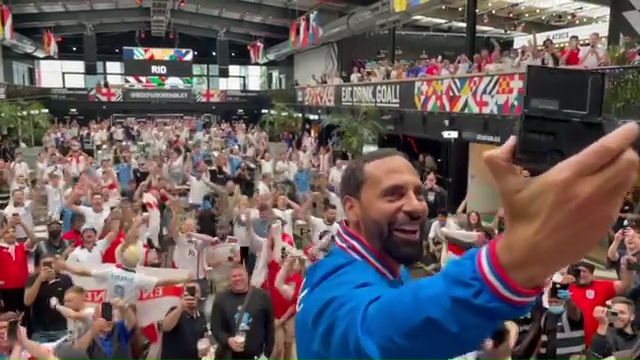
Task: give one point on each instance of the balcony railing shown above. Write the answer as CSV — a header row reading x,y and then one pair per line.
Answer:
x,y
499,93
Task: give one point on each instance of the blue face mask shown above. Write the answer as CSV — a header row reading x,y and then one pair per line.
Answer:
x,y
563,294
556,309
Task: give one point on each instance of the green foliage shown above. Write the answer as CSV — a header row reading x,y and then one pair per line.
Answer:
x,y
280,119
355,130
27,121
622,88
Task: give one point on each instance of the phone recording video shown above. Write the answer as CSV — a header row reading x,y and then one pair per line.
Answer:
x,y
191,290
48,264
12,329
633,266
106,310
612,315
500,336
283,252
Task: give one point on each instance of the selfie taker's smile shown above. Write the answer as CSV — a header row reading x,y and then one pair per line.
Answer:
x,y
407,232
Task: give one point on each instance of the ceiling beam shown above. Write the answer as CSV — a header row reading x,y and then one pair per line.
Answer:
x,y
68,30
95,17
240,7
495,21
222,22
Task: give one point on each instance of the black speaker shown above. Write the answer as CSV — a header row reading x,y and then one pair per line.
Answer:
x,y
222,50
90,53
546,92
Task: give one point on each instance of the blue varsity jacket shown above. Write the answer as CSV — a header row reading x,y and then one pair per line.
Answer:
x,y
354,305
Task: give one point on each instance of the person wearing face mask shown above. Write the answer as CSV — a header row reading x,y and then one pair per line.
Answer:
x,y
54,245
110,337
615,331
559,332
184,327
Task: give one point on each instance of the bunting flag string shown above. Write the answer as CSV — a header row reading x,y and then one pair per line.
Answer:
x,y
305,31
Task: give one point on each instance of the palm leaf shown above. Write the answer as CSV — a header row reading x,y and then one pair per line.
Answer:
x,y
355,130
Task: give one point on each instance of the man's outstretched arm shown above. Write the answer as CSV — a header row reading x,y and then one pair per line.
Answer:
x,y
439,317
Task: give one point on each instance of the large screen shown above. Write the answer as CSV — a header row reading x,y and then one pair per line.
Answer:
x,y
158,67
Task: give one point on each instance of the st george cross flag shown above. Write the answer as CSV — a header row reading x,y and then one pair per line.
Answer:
x,y
7,21
255,51
459,241
303,40
152,306
293,33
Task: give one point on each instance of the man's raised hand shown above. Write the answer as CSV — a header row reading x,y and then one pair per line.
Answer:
x,y
556,218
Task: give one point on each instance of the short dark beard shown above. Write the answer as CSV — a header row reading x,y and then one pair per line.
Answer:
x,y
381,238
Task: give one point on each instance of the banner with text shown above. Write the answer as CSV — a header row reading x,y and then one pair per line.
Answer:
x,y
380,95
164,95
158,68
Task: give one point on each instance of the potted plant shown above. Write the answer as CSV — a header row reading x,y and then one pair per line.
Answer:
x,y
26,121
622,85
355,129
280,119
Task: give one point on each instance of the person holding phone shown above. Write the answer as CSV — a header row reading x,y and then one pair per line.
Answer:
x,y
184,327
47,284
9,327
615,331
111,334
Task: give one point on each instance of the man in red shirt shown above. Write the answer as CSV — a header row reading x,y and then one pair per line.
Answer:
x,y
588,293
14,265
74,235
571,55
284,297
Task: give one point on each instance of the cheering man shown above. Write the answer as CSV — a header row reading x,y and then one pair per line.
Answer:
x,y
360,303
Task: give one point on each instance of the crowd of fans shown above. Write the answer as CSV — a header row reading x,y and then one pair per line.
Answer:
x,y
495,60
210,226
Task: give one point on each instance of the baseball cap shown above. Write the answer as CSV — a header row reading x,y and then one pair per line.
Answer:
x,y
66,351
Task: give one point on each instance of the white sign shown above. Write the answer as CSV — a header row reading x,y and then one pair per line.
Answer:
x,y
375,95
563,35
158,69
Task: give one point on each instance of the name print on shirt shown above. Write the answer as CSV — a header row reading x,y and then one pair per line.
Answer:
x,y
374,95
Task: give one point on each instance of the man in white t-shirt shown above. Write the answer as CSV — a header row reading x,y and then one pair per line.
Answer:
x,y
198,188
90,253
335,174
320,226
75,309
264,185
22,208
266,164
54,191
281,211
95,215
124,282
19,167
595,54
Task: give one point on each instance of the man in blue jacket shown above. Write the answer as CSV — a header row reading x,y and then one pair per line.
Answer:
x,y
359,302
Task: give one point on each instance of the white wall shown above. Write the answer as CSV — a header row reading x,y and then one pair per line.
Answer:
x,y
482,194
318,61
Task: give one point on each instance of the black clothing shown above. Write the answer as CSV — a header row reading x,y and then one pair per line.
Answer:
x,y
181,342
43,317
219,176
48,247
614,340
626,208
207,223
247,185
436,200
257,322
